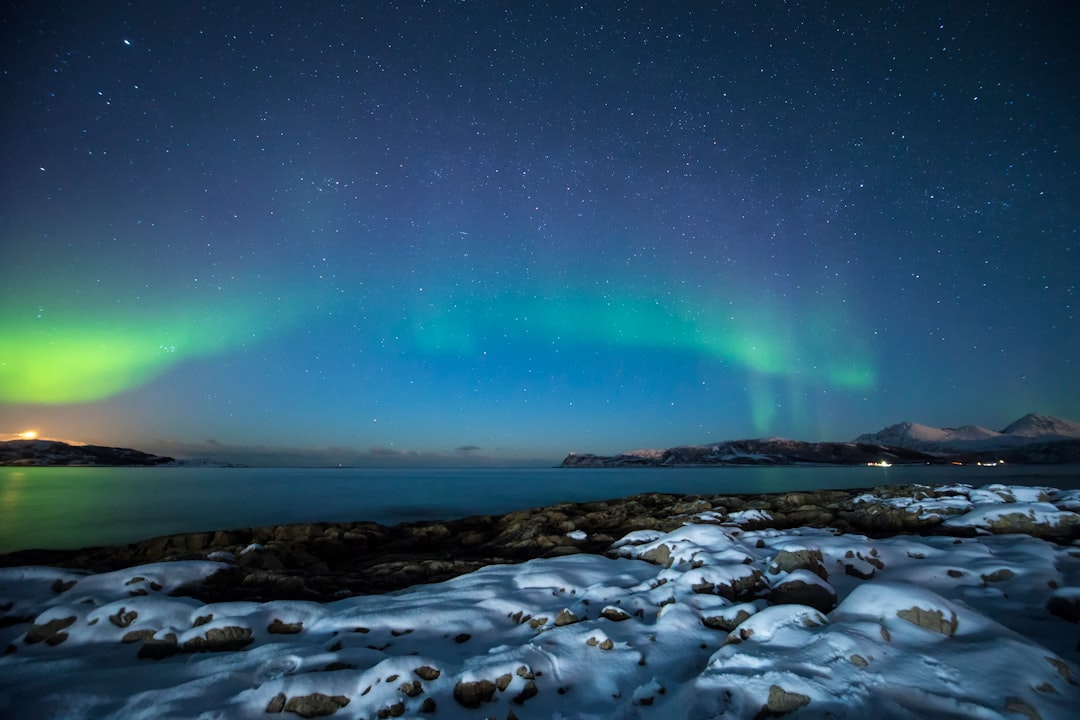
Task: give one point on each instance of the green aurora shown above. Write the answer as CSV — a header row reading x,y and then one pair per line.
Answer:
x,y
79,359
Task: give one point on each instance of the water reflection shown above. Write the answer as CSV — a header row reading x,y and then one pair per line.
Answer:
x,y
78,507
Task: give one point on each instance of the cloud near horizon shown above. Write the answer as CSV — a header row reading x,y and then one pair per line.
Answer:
x,y
334,456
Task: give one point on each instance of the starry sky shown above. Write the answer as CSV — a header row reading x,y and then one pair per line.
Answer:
x,y
457,233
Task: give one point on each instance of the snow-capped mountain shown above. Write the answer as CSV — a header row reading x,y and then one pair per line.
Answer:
x,y
1041,426
1033,439
1027,430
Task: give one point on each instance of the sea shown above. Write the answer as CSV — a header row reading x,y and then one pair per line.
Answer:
x,y
75,507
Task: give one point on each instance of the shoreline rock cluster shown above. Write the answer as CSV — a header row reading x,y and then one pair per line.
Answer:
x,y
328,561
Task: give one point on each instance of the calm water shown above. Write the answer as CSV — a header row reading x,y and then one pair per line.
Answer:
x,y
79,507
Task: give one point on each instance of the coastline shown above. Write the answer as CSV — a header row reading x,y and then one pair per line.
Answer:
x,y
325,561
899,601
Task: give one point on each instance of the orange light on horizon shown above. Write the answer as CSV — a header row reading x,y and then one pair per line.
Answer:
x,y
29,435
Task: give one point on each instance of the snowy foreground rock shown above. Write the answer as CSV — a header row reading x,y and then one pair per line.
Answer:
x,y
722,616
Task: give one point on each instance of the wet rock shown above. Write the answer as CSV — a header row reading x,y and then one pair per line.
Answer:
x,y
426,672
566,617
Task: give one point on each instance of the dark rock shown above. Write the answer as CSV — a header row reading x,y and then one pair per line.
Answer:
x,y
998,575
475,693
315,704
796,591
395,710
276,704
49,630
805,559
226,639
122,619
158,648
1066,607
930,619
411,689
1027,524
782,702
529,691
284,628
60,586
11,620
741,588
614,614
719,622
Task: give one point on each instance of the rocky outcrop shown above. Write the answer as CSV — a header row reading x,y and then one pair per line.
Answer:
x,y
307,706
52,452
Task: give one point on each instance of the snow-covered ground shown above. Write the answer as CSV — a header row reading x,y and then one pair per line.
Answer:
x,y
710,620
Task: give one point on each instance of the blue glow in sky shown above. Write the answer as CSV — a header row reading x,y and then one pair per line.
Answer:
x,y
469,233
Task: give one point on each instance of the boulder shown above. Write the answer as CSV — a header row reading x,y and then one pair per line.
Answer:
x,y
782,702
934,620
805,559
315,704
473,694
801,587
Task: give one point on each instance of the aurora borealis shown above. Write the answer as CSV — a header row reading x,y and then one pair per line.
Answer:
x,y
487,232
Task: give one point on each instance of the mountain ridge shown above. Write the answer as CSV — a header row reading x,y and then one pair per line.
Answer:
x,y
973,438
57,453
1032,439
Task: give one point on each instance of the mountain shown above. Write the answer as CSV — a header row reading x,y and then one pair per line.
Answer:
x,y
1043,426
768,451
1028,430
1033,439
52,452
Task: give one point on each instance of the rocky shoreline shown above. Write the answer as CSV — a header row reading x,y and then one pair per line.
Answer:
x,y
327,561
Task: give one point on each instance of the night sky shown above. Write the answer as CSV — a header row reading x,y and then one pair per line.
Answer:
x,y
496,232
